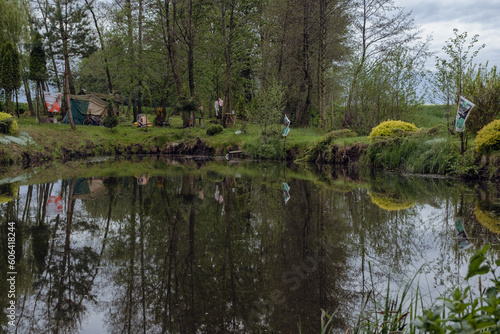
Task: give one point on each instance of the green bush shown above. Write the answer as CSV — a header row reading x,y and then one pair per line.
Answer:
x,y
110,121
324,146
214,129
413,154
488,139
8,124
390,128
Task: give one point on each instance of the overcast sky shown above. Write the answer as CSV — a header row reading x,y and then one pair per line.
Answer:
x,y
439,17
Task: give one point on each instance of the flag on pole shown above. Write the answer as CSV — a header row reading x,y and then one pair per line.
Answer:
x,y
464,108
216,105
286,130
286,192
463,241
287,121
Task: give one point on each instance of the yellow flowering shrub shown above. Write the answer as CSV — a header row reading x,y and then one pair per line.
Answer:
x,y
389,203
8,192
488,219
389,128
8,124
488,138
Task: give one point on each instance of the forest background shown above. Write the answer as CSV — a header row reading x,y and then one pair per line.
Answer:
x,y
327,63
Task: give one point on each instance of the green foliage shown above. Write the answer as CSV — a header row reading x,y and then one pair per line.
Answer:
x,y
271,149
269,109
390,128
146,97
12,19
425,151
214,129
324,146
185,106
8,124
10,72
488,139
482,87
447,82
110,121
38,65
459,62
463,312
427,116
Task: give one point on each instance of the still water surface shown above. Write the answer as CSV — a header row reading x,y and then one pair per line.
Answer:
x,y
228,247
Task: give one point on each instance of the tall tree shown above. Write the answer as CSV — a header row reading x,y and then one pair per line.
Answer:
x,y
301,43
228,25
11,21
380,28
38,66
10,73
44,9
458,61
333,23
68,34
90,7
168,18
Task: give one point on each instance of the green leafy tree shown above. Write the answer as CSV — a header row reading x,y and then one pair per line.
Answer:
x,y
11,22
381,29
448,80
482,87
38,66
269,109
10,73
147,97
69,34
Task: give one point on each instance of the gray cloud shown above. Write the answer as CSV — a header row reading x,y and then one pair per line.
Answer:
x,y
438,18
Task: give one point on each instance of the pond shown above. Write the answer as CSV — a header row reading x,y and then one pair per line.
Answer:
x,y
168,246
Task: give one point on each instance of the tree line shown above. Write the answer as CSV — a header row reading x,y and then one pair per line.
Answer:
x,y
338,63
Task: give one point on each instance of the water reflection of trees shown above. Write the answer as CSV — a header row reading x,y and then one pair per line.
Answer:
x,y
54,277
212,252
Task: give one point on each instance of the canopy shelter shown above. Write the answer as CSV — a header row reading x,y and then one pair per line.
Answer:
x,y
84,105
89,188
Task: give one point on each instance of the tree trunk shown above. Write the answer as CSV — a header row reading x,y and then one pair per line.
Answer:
x,y
302,114
64,32
43,10
28,95
66,92
322,64
101,41
190,38
228,39
139,57
171,45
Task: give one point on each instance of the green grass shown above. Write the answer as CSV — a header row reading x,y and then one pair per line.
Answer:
x,y
54,138
433,152
427,116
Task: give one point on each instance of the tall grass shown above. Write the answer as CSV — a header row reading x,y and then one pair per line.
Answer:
x,y
427,116
458,311
423,152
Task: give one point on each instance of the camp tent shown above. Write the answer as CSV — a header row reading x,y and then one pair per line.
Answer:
x,y
89,188
82,105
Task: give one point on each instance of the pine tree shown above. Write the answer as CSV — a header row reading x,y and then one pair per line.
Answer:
x,y
38,65
10,73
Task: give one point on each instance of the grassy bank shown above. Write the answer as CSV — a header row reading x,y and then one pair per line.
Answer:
x,y
432,150
59,142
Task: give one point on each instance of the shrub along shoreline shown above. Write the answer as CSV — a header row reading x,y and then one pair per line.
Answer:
x,y
424,151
